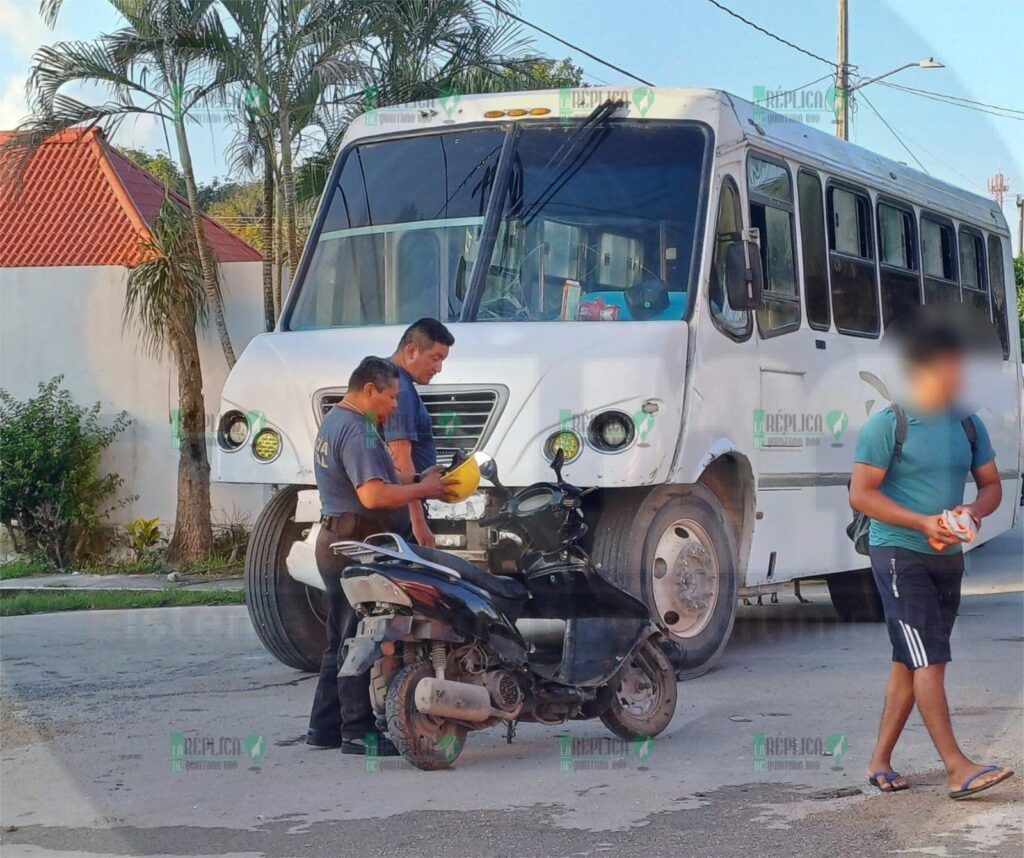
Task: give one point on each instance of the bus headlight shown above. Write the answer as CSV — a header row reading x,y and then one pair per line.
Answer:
x,y
266,445
611,431
233,431
565,440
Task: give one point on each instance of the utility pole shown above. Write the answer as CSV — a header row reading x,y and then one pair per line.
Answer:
x,y
842,75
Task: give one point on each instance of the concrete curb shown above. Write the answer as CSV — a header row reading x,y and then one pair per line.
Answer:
x,y
118,582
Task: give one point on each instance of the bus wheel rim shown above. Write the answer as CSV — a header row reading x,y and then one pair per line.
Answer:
x,y
685,578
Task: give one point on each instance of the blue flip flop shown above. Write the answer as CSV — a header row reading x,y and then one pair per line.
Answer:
x,y
889,778
965,790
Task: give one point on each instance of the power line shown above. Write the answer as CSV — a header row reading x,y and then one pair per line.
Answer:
x,y
770,34
953,98
766,101
947,100
568,44
894,134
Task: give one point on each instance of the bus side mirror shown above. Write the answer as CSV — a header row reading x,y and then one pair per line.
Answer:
x,y
744,281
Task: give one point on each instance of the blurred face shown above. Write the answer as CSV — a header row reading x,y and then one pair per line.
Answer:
x,y
423,365
381,403
937,382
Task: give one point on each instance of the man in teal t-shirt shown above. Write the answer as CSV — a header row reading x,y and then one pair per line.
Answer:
x,y
905,492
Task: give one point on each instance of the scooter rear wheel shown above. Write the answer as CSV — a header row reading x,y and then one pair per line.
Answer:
x,y
428,743
643,694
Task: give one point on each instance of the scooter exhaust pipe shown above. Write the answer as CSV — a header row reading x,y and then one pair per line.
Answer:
x,y
459,701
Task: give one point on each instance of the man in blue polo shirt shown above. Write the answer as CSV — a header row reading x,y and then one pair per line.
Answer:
x,y
419,356
917,563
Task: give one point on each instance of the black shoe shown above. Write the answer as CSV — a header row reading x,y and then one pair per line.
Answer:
x,y
378,746
319,739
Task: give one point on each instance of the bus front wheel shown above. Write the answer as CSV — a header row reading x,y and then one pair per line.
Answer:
x,y
672,548
289,617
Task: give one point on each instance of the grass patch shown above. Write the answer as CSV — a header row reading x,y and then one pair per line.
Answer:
x,y
16,603
24,567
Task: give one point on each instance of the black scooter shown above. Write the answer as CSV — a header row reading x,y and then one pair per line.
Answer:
x,y
453,648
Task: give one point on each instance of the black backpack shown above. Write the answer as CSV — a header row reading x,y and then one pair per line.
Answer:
x,y
857,529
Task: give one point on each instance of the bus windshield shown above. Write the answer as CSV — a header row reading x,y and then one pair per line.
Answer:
x,y
596,224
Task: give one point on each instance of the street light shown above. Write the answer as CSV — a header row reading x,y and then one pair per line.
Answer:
x,y
843,91
930,63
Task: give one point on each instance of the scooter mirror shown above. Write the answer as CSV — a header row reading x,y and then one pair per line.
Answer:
x,y
557,462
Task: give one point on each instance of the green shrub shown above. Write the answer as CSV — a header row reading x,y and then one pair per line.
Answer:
x,y
144,537
52,495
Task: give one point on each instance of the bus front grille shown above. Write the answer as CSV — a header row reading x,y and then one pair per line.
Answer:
x,y
462,416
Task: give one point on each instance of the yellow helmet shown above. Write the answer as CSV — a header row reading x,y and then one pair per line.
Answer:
x,y
463,479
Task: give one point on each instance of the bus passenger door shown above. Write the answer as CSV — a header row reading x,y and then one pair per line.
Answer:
x,y
788,424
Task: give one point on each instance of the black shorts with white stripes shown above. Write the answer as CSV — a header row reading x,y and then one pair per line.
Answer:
x,y
920,594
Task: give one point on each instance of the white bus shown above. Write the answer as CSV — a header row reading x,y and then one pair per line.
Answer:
x,y
588,250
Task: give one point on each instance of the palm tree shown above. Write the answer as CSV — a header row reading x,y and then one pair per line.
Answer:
x,y
158,65
243,77
312,61
420,50
166,300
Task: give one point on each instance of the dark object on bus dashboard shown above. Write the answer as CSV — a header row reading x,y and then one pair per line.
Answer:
x,y
646,300
744,281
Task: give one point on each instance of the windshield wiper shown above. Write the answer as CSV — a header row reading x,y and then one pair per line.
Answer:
x,y
499,190
492,217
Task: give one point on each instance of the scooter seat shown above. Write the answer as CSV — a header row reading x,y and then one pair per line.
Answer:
x,y
496,585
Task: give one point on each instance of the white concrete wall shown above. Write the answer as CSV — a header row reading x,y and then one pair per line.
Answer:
x,y
67,321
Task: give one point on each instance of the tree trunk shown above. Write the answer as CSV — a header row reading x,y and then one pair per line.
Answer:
x,y
210,283
288,180
193,530
267,238
279,252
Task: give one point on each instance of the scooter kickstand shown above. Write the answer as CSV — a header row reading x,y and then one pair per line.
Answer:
x,y
510,731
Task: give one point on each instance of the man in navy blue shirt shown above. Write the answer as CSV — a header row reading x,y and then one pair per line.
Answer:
x,y
419,356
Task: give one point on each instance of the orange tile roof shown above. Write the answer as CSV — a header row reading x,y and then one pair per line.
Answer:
x,y
81,202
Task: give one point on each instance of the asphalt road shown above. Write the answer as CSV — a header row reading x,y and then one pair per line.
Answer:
x,y
92,703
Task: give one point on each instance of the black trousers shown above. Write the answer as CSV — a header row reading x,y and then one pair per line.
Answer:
x,y
341,704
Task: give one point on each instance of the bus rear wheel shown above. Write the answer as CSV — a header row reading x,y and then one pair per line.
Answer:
x,y
672,548
289,617
855,596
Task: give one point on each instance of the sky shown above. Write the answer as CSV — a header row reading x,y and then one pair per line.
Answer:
x,y
693,43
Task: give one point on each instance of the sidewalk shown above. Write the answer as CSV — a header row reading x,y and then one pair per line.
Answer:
x,y
119,582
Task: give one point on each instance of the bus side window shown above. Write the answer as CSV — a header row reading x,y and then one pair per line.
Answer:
x,y
897,257
973,276
938,248
852,262
815,253
771,213
997,278
729,228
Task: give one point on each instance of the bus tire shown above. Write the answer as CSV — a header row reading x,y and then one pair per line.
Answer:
x,y
673,548
855,596
289,617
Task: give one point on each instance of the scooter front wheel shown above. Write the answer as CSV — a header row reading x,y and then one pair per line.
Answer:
x,y
427,742
643,694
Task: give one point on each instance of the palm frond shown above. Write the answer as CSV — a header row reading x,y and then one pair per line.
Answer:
x,y
164,293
